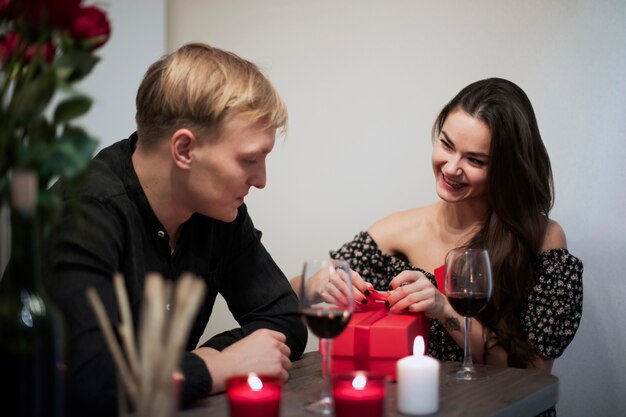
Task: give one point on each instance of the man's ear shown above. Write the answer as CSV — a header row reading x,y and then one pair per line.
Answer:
x,y
181,144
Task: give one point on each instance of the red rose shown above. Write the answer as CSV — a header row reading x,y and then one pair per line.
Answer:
x,y
91,26
49,13
48,50
8,45
11,42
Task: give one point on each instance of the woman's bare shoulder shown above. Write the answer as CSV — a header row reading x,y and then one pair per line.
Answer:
x,y
555,237
392,229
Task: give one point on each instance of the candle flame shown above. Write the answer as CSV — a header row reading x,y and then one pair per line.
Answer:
x,y
418,346
359,382
254,382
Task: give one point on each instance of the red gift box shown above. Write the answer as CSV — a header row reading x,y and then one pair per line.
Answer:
x,y
376,339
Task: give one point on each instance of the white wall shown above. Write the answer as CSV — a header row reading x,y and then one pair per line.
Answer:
x,y
364,79
138,38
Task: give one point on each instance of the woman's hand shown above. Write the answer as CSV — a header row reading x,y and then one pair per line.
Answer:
x,y
413,291
333,290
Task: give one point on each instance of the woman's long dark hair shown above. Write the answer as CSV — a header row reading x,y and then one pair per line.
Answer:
x,y
520,193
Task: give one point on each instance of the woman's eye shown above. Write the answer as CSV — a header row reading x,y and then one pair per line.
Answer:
x,y
476,161
446,144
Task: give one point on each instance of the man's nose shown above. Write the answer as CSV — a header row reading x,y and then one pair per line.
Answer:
x,y
259,178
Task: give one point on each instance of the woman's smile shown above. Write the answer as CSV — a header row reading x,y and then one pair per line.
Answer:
x,y
455,185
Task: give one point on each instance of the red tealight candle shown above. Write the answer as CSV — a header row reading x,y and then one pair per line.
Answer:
x,y
359,394
254,395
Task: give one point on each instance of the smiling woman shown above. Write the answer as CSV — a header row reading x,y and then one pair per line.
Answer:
x,y
494,181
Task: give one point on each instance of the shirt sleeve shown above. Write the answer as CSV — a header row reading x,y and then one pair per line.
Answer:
x,y
555,303
257,292
364,256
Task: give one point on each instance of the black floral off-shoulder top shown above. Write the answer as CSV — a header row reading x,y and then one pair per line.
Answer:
x,y
550,317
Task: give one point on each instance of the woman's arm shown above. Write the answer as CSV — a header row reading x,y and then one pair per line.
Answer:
x,y
413,291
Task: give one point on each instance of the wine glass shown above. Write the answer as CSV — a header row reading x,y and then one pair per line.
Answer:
x,y
468,288
326,305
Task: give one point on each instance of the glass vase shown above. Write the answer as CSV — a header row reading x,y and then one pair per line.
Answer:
x,y
31,328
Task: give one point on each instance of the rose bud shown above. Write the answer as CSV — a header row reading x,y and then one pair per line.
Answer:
x,y
48,50
91,27
8,45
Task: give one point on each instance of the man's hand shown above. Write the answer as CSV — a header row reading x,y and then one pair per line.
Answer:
x,y
263,352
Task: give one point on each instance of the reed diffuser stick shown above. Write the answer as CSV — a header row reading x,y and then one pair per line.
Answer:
x,y
126,328
114,348
164,324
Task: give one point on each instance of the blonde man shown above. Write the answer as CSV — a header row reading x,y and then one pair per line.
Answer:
x,y
170,199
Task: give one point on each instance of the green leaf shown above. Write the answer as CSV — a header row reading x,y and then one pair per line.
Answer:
x,y
30,155
70,156
41,132
74,65
84,144
30,99
72,108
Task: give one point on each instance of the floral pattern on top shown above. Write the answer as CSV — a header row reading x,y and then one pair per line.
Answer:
x,y
550,316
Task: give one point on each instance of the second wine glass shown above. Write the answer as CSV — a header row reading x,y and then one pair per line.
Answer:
x,y
326,305
468,288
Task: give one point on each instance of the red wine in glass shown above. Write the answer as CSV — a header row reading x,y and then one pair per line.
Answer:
x,y
326,305
468,288
326,323
468,305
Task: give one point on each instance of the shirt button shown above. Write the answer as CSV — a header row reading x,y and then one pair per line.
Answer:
x,y
161,233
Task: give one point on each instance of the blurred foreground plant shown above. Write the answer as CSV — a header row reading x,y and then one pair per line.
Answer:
x,y
46,48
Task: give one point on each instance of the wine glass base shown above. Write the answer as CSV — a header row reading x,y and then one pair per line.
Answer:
x,y
323,405
468,374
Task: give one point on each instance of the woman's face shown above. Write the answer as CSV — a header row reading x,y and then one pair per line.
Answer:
x,y
459,158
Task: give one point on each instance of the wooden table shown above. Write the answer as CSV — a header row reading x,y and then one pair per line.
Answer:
x,y
506,392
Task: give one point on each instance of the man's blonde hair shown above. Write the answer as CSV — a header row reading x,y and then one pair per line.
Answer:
x,y
197,86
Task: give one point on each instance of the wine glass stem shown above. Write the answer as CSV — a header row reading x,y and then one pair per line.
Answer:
x,y
327,349
468,365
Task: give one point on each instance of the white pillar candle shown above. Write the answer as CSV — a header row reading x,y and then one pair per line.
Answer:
x,y
418,382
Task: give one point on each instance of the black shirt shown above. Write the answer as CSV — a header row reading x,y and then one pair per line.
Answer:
x,y
112,228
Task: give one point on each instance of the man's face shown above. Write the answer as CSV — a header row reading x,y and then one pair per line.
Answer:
x,y
224,168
